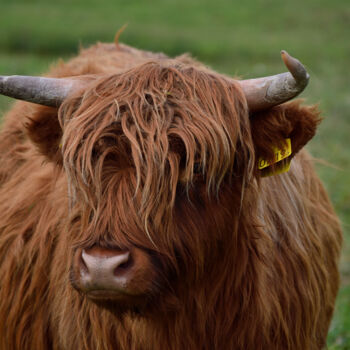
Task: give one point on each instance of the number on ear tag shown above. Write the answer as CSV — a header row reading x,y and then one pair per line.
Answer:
x,y
280,154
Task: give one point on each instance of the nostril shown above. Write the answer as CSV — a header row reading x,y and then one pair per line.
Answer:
x,y
82,265
123,267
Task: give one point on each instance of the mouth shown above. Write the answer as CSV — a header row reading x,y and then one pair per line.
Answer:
x,y
119,303
108,294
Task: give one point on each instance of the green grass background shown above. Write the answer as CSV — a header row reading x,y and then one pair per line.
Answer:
x,y
241,38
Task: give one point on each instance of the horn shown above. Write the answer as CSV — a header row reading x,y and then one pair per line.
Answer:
x,y
45,91
261,93
264,93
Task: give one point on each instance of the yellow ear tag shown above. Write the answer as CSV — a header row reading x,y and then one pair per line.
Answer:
x,y
280,155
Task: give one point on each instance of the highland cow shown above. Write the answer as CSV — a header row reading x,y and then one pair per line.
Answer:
x,y
134,214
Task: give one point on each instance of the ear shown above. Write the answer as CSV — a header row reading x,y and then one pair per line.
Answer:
x,y
45,132
290,120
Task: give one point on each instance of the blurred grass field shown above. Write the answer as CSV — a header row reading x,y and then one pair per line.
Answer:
x,y
234,37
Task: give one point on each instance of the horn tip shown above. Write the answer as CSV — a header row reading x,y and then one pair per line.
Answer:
x,y
295,67
286,57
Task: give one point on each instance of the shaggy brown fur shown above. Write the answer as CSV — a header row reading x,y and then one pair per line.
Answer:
x,y
161,154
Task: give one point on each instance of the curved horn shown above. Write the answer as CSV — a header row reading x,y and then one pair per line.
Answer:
x,y
263,93
45,91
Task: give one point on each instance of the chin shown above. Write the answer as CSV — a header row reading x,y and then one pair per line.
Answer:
x,y
123,304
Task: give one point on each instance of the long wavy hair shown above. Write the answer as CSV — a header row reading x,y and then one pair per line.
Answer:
x,y
162,154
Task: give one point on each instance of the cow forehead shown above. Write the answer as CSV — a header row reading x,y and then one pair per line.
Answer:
x,y
152,111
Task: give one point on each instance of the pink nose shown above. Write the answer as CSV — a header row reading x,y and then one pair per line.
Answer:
x,y
105,270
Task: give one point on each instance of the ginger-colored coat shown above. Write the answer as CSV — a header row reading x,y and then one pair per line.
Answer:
x,y
162,153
